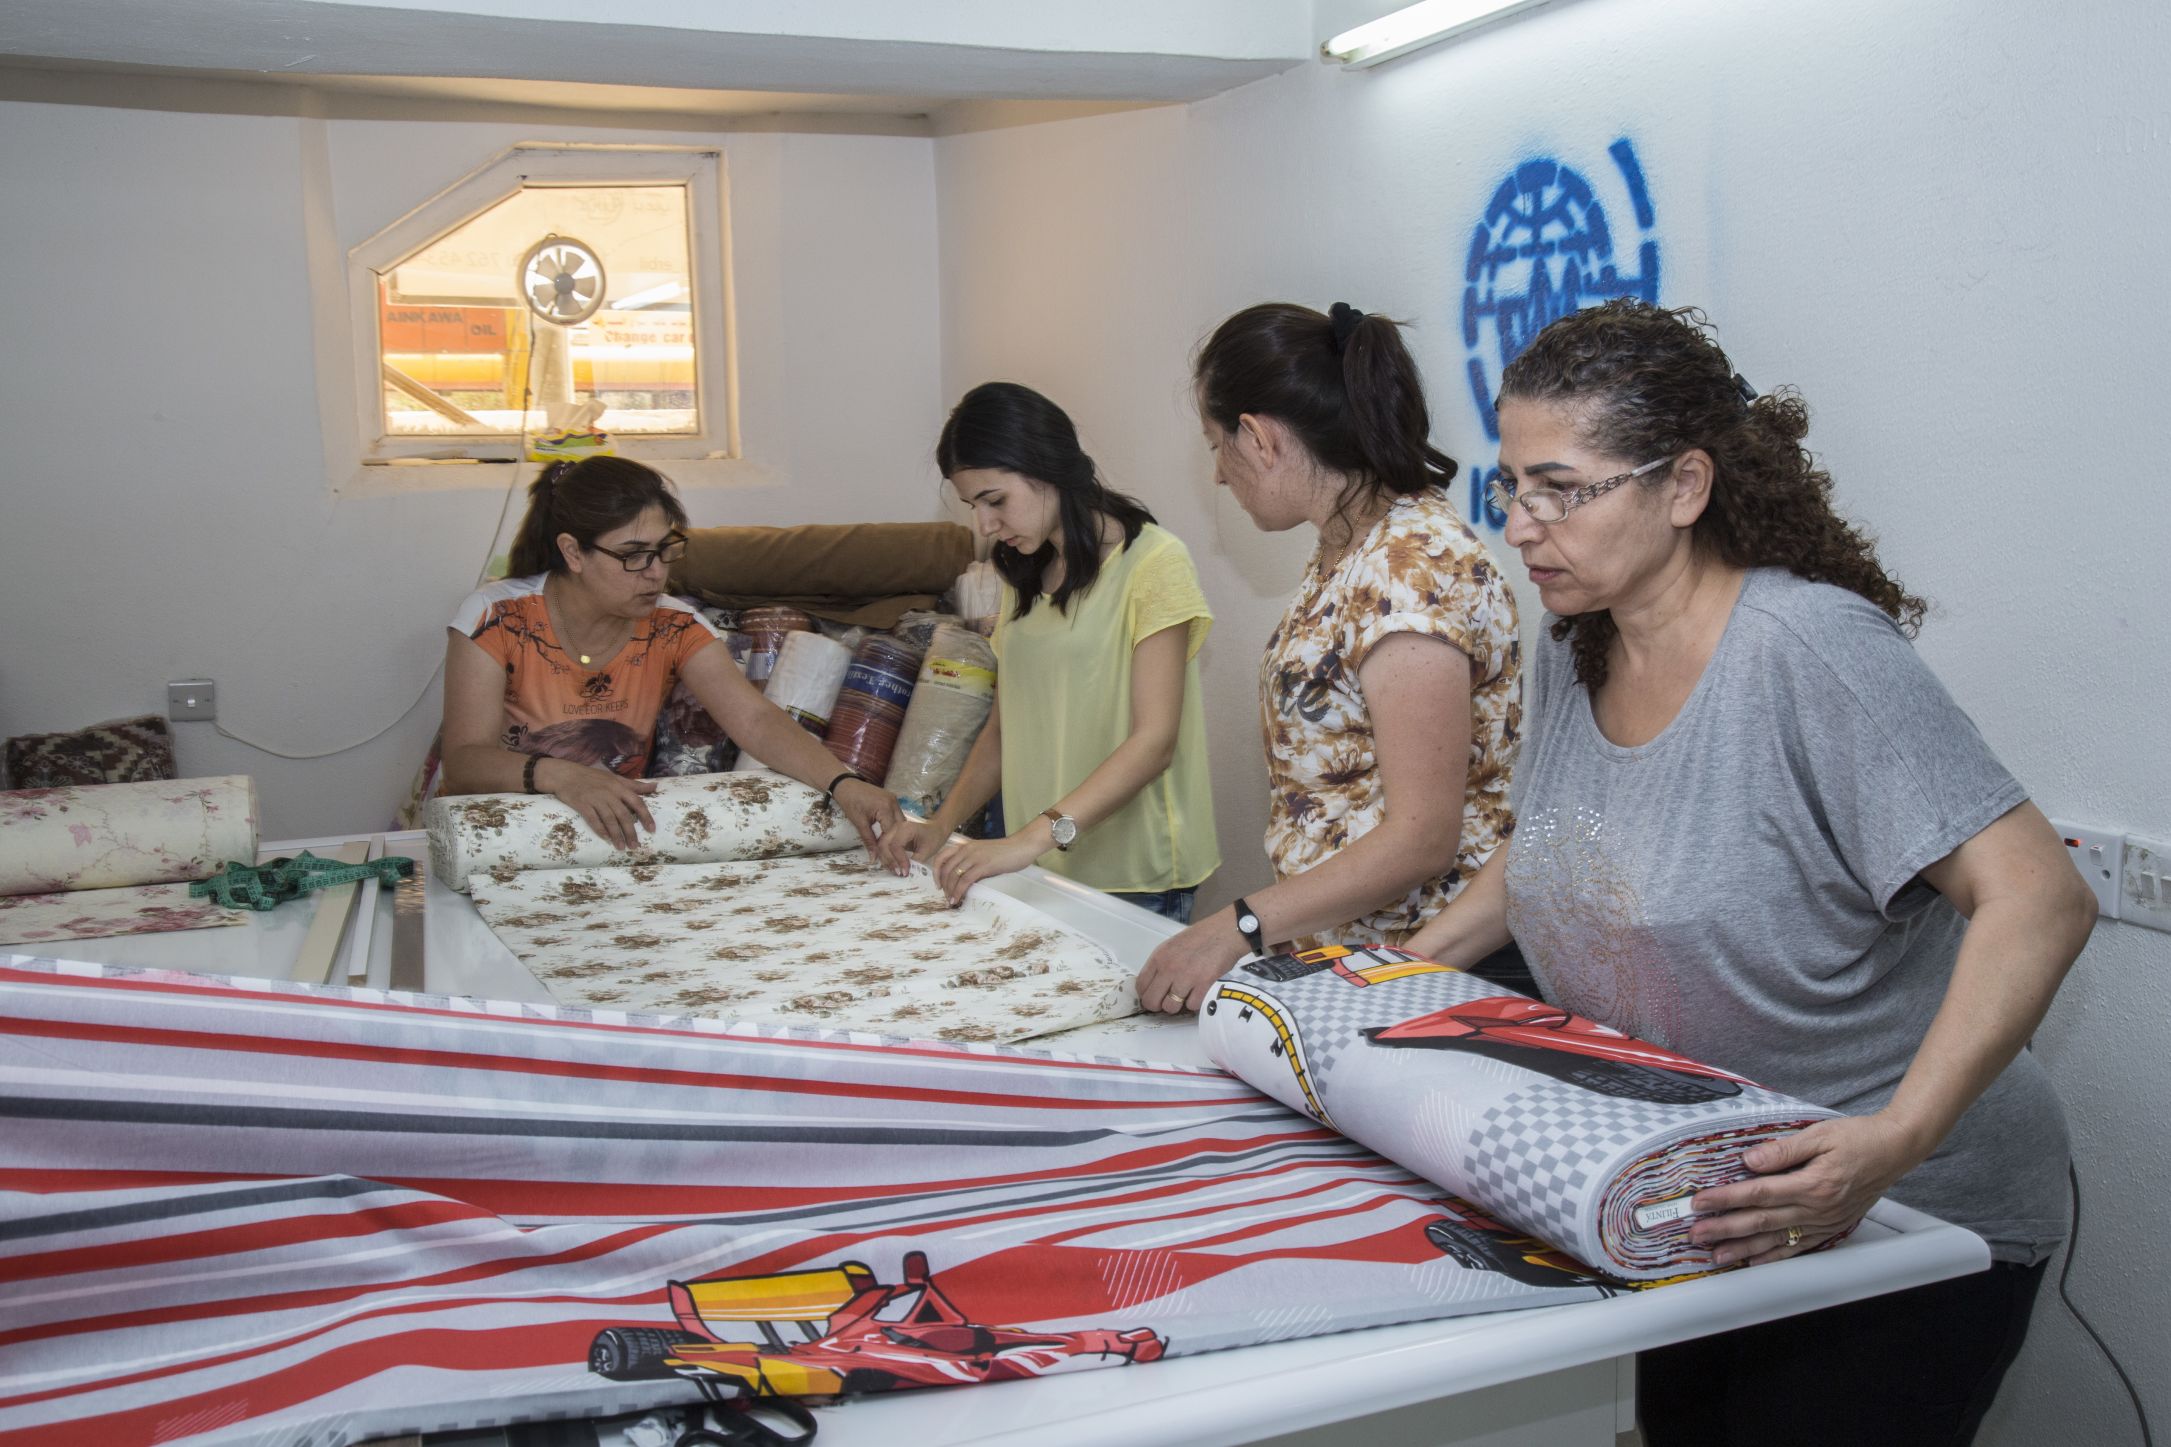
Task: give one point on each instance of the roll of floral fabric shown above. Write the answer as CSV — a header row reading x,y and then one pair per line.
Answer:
x,y
871,705
701,819
950,702
1586,1138
98,836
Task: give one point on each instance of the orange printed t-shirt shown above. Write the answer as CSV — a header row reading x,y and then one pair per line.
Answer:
x,y
605,715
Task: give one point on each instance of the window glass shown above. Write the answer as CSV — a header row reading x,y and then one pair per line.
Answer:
x,y
463,355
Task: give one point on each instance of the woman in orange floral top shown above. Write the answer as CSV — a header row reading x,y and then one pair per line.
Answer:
x,y
1390,694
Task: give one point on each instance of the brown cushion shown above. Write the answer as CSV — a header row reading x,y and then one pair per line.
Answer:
x,y
125,751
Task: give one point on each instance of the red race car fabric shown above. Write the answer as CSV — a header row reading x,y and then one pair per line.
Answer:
x,y
246,1211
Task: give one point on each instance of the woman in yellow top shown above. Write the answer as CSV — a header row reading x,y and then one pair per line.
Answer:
x,y
1097,740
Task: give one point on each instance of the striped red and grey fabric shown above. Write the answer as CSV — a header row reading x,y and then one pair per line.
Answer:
x,y
242,1211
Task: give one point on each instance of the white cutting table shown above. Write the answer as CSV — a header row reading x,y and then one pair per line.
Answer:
x,y
1559,1376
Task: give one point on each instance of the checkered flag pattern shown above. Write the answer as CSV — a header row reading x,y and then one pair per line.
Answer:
x,y
1559,1126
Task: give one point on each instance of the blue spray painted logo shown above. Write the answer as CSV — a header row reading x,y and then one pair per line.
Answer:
x,y
1543,249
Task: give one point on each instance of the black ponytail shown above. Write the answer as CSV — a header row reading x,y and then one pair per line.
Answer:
x,y
587,498
1342,382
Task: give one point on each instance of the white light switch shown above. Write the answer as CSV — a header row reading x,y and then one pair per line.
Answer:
x,y
2145,880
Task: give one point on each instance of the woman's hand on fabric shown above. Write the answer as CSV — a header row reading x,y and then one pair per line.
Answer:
x,y
913,839
1183,965
874,813
964,864
615,806
1819,1182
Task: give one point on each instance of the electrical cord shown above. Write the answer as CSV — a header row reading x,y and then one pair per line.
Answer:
x,y
2072,1248
482,576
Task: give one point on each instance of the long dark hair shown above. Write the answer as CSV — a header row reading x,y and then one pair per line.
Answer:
x,y
1645,383
587,498
1343,383
1008,428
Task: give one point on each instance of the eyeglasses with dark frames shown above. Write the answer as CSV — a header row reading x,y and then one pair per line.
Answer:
x,y
637,560
1550,504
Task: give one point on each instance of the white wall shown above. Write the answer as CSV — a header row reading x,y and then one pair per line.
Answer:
x,y
1942,221
171,500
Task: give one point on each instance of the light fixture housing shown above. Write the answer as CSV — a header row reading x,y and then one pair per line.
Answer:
x,y
1405,30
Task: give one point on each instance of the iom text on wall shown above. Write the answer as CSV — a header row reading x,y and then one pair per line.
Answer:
x,y
1544,247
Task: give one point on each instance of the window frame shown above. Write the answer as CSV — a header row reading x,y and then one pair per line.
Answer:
x,y
699,169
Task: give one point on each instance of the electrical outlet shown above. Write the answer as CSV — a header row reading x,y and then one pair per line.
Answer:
x,y
2145,880
192,700
2096,854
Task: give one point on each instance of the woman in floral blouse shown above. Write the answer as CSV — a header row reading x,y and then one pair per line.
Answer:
x,y
1390,693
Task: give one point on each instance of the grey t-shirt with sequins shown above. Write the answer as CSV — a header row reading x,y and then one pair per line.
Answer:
x,y
1744,888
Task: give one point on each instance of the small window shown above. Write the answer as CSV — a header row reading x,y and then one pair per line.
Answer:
x,y
623,261
464,354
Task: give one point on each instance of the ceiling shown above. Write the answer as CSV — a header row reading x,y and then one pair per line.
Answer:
x,y
922,60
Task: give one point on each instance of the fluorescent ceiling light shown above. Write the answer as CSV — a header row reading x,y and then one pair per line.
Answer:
x,y
1414,25
668,291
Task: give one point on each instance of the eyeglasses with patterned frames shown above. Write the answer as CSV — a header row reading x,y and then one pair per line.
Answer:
x,y
637,560
1550,504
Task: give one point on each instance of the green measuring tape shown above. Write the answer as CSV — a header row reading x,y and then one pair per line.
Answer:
x,y
269,885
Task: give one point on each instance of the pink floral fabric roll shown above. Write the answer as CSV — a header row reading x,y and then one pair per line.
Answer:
x,y
97,836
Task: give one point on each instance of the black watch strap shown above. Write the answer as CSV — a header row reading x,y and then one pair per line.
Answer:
x,y
831,791
1247,925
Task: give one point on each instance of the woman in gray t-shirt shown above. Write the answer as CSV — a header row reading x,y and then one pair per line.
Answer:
x,y
1755,829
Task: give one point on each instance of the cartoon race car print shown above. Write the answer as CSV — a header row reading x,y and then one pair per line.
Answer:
x,y
1475,1240
838,1330
1537,1036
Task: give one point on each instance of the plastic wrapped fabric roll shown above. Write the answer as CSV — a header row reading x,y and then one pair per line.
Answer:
x,y
871,705
809,671
950,703
1589,1139
702,819
766,629
98,836
916,630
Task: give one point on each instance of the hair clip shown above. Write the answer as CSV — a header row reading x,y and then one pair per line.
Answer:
x,y
1344,318
1741,385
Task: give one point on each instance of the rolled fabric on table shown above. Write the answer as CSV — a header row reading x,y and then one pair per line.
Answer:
x,y
700,819
1585,1138
98,836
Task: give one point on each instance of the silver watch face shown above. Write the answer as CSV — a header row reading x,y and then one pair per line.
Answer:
x,y
1066,830
1247,923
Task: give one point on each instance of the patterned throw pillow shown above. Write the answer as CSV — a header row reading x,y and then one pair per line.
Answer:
x,y
125,751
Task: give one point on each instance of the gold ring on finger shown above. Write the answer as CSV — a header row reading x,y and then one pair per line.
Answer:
x,y
1794,1236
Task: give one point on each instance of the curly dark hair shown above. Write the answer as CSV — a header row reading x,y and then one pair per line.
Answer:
x,y
1648,382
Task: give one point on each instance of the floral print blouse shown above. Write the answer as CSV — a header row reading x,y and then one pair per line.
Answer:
x,y
1419,570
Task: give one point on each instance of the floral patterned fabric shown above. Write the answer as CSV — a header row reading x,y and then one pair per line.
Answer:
x,y
828,940
84,914
701,819
101,835
1419,570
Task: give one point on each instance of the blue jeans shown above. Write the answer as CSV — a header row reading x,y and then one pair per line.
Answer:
x,y
1172,904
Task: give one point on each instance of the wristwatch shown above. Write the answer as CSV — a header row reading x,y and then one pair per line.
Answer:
x,y
1247,925
1066,828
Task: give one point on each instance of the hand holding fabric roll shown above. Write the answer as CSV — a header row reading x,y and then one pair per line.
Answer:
x,y
1584,1137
